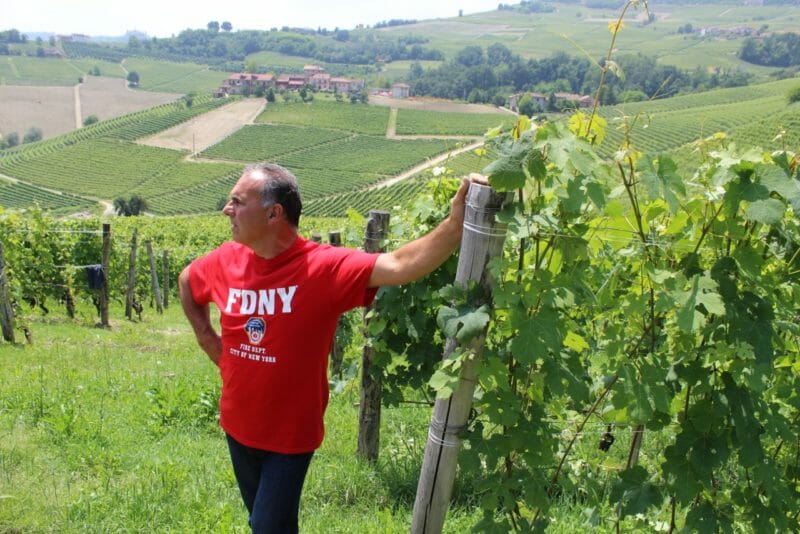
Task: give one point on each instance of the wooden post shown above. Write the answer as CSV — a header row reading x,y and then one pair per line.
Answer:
x,y
165,268
154,276
482,239
316,238
6,311
369,410
104,262
337,351
129,295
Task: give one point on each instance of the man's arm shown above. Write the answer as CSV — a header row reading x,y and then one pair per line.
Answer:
x,y
200,319
421,256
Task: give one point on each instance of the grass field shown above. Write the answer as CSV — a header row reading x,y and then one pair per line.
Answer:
x,y
116,430
576,28
169,77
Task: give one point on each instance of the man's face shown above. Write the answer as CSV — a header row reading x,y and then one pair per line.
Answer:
x,y
248,216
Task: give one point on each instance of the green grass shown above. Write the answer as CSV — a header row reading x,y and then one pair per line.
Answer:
x,y
170,77
108,430
23,70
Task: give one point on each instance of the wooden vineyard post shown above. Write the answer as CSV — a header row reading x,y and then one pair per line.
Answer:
x,y
369,410
131,276
316,238
154,276
6,312
104,262
482,239
165,285
337,352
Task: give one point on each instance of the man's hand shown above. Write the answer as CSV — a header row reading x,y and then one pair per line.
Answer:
x,y
421,256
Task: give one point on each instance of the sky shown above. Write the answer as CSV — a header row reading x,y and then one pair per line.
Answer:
x,y
163,18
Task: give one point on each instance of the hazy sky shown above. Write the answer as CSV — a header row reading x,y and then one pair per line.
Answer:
x,y
162,18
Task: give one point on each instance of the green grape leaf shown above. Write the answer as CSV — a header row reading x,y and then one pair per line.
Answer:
x,y
767,211
463,323
636,493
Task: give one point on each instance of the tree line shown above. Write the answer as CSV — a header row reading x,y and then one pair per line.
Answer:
x,y
778,50
488,76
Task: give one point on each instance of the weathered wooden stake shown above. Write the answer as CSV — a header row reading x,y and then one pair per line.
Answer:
x,y
369,411
165,267
6,311
104,262
129,295
316,238
337,351
482,239
154,276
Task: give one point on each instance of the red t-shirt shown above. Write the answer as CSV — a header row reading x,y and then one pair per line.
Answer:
x,y
278,319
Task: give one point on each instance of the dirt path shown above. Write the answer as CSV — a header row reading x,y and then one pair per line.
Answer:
x,y
391,126
76,90
209,128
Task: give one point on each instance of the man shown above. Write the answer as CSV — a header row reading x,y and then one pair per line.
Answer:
x,y
280,297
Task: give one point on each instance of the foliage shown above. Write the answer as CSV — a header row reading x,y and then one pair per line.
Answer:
x,y
133,78
135,205
91,119
794,95
33,134
777,50
499,71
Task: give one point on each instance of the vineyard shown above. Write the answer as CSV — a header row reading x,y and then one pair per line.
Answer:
x,y
20,196
335,160
368,120
416,121
753,116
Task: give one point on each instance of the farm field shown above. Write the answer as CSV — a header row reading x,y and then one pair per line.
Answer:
x,y
331,161
668,124
170,77
573,28
370,120
52,108
413,121
207,129
106,98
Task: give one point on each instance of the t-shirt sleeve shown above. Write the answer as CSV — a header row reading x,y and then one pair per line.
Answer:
x,y
351,273
199,278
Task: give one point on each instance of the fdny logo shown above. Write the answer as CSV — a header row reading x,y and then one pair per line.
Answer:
x,y
255,328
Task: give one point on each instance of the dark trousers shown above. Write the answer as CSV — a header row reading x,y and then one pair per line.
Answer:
x,y
271,484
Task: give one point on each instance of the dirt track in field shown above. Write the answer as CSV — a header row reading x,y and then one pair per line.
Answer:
x,y
209,128
58,110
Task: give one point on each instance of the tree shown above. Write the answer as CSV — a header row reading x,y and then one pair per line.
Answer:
x,y
526,106
134,206
270,95
91,119
213,26
227,26
39,51
133,79
32,135
52,40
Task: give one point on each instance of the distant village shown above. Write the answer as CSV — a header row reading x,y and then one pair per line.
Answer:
x,y
315,77
312,76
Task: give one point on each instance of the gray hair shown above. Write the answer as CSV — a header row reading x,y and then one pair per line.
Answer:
x,y
280,187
